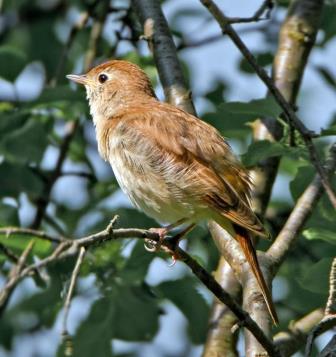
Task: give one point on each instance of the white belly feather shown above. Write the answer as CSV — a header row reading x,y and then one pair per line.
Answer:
x,y
147,190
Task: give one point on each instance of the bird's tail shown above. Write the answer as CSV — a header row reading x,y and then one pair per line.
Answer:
x,y
244,239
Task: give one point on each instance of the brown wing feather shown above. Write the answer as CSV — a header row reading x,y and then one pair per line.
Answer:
x,y
221,181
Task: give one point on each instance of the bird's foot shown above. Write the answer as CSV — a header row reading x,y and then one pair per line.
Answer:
x,y
154,246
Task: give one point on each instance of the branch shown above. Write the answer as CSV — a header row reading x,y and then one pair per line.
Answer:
x,y
43,201
288,111
299,215
72,284
329,319
8,231
290,341
221,340
263,13
157,33
331,303
69,248
15,272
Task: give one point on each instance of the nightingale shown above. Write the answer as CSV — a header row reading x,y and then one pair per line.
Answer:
x,y
173,166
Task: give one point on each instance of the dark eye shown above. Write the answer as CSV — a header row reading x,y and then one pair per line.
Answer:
x,y
102,78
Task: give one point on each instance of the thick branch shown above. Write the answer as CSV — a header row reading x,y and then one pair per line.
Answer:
x,y
157,33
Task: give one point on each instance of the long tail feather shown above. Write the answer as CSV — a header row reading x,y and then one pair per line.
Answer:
x,y
243,237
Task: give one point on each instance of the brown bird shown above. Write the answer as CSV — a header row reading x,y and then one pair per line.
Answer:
x,y
173,166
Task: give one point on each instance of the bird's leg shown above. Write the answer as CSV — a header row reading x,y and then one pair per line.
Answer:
x,y
153,246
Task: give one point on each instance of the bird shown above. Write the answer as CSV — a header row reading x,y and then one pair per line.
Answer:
x,y
173,166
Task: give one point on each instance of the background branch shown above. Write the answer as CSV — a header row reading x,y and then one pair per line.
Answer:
x,y
157,33
299,215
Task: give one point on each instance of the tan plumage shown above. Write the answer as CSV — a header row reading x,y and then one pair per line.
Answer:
x,y
172,165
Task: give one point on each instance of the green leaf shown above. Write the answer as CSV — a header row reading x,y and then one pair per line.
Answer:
x,y
263,149
11,120
60,93
255,108
316,277
27,143
184,295
129,313
263,59
231,118
137,264
216,95
327,75
302,179
8,215
12,62
320,233
18,178
19,242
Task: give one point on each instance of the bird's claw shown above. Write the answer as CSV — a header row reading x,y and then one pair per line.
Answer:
x,y
152,246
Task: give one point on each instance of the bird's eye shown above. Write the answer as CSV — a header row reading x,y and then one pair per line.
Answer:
x,y
102,78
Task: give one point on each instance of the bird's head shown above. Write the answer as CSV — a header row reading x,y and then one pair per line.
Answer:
x,y
112,86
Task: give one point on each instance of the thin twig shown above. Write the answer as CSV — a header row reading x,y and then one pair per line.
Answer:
x,y
8,231
288,111
43,201
72,284
8,252
13,275
263,13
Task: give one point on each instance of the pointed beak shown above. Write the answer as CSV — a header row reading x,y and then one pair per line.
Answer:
x,y
81,79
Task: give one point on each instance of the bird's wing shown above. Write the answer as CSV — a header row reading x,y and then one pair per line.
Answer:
x,y
214,174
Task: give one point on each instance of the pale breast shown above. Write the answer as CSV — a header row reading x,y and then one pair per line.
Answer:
x,y
144,177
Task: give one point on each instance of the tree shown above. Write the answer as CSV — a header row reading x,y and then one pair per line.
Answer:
x,y
57,235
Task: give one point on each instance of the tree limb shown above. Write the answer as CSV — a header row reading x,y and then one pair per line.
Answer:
x,y
157,33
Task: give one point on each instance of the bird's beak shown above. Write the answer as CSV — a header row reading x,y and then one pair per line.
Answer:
x,y
81,79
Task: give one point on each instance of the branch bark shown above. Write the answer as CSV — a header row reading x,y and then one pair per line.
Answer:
x,y
159,37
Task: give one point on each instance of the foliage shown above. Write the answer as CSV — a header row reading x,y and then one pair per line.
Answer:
x,y
124,303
